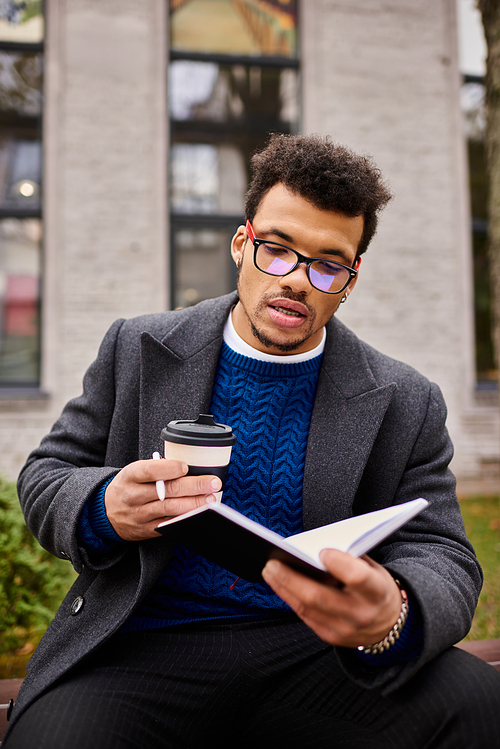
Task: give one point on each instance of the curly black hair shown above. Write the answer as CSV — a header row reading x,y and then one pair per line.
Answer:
x,y
330,176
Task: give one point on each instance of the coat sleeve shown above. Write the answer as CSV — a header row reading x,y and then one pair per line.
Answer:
x,y
68,466
431,555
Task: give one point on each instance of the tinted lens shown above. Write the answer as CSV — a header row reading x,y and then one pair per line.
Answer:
x,y
328,277
274,259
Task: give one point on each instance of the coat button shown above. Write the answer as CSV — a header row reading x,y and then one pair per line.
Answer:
x,y
76,606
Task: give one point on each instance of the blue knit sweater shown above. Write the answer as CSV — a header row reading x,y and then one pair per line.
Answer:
x,y
269,407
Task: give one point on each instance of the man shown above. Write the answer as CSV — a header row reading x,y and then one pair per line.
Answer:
x,y
154,645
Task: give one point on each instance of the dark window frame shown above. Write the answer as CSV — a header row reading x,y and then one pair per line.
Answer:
x,y
227,222
28,388
479,231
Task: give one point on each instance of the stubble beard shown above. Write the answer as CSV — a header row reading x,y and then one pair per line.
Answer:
x,y
285,348
290,346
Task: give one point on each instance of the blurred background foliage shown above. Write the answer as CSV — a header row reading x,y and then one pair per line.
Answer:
x,y
32,585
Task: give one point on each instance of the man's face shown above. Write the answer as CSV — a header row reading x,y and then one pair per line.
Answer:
x,y
286,315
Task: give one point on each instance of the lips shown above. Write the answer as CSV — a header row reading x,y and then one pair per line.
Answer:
x,y
287,313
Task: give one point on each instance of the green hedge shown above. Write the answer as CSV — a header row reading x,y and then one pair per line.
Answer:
x,y
32,581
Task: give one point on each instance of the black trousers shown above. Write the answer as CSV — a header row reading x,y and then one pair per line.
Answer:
x,y
255,685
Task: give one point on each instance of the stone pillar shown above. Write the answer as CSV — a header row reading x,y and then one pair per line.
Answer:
x,y
383,78
105,194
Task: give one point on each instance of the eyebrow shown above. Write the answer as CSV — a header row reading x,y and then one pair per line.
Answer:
x,y
287,238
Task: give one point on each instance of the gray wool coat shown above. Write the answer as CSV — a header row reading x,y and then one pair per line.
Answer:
x,y
377,437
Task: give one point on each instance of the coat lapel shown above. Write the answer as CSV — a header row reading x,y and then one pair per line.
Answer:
x,y
178,371
348,411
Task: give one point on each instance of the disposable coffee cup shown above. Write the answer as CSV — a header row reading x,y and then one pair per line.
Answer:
x,y
203,444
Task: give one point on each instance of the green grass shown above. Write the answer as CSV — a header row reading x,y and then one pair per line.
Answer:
x,y
482,522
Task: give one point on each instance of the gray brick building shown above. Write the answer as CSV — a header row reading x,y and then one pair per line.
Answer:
x,y
380,77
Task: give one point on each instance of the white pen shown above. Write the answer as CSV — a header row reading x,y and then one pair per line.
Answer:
x,y
160,485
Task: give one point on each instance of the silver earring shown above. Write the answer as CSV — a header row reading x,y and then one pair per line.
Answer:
x,y
344,299
238,263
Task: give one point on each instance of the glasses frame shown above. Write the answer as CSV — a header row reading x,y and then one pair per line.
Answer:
x,y
308,261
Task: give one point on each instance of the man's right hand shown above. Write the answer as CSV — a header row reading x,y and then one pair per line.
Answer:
x,y
132,504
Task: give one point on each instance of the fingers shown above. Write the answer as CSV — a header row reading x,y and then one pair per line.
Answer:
x,y
192,485
361,612
146,471
309,598
353,572
132,503
139,481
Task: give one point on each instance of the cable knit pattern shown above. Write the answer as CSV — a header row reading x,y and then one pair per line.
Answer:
x,y
269,407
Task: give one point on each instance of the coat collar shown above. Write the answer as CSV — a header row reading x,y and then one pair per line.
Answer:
x,y
178,369
198,326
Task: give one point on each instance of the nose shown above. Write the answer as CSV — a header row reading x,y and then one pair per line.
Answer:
x,y
297,280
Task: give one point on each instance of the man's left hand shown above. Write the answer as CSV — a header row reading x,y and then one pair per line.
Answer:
x,y
361,611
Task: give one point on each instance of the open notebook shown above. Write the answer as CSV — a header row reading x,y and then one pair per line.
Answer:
x,y
243,546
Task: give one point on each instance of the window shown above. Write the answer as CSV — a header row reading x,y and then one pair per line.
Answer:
x,y
21,44
473,107
233,79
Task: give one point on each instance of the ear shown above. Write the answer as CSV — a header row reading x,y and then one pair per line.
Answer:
x,y
238,245
354,280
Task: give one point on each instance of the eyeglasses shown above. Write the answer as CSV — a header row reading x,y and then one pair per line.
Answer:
x,y
278,260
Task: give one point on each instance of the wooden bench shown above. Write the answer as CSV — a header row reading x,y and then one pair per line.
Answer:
x,y
487,650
